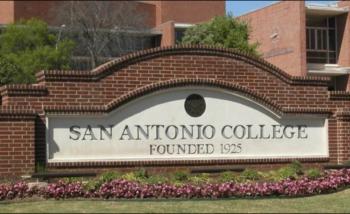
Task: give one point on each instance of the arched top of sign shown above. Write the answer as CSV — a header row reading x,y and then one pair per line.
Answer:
x,y
211,102
198,89
117,64
167,85
160,86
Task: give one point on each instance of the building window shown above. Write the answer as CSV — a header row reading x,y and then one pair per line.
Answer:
x,y
179,33
321,42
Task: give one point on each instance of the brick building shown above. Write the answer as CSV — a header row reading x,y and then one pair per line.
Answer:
x,y
167,19
305,39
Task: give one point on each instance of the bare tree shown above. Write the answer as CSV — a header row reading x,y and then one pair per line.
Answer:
x,y
101,28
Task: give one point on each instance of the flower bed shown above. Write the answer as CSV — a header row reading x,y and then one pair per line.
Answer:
x,y
121,188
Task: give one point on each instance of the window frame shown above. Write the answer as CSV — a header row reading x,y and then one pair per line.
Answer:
x,y
315,45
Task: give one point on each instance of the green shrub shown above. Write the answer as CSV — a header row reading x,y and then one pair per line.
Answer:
x,y
105,177
250,175
10,72
286,172
130,176
227,177
181,176
292,171
297,167
92,185
156,179
347,163
222,31
141,173
72,179
272,175
27,47
313,173
200,178
109,176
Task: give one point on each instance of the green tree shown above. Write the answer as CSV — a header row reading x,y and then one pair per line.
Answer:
x,y
223,31
27,47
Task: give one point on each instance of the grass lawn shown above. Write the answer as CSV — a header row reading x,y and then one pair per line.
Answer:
x,y
336,202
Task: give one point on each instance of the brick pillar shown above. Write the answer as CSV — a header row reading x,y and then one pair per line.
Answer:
x,y
168,33
343,141
332,139
16,144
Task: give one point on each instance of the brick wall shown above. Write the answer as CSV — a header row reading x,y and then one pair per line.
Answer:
x,y
280,30
117,82
188,11
44,10
47,11
168,33
155,12
160,15
17,143
6,12
343,25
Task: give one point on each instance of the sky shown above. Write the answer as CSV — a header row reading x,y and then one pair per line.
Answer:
x,y
241,7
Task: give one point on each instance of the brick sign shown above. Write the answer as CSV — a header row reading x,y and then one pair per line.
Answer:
x,y
187,123
170,107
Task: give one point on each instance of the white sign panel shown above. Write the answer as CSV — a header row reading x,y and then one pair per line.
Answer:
x,y
186,124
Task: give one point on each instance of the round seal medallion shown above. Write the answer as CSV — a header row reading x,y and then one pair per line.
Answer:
x,y
195,105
